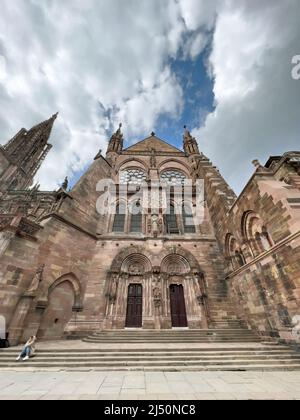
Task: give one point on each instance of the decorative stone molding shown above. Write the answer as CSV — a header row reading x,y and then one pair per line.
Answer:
x,y
5,238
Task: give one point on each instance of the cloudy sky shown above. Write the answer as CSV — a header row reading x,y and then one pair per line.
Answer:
x,y
221,67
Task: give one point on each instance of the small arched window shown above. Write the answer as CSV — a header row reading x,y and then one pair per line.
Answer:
x,y
240,258
258,242
266,239
119,220
188,219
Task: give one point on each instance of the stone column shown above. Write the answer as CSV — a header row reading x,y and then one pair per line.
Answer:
x,y
202,299
157,300
17,323
16,326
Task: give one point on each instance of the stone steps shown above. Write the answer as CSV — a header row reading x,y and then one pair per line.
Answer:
x,y
173,336
157,359
257,349
174,332
165,364
210,340
132,350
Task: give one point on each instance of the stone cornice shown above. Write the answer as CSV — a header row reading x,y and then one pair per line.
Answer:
x,y
69,223
266,173
240,197
260,257
146,153
128,237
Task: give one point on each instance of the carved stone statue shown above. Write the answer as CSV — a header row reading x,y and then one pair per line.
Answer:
x,y
160,226
296,328
37,278
135,269
155,225
65,184
157,296
118,132
156,293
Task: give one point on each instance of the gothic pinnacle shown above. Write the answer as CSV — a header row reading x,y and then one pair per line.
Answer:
x,y
54,116
256,163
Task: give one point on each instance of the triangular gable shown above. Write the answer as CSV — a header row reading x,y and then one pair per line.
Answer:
x,y
152,142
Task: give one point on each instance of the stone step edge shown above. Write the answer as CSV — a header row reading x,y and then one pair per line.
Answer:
x,y
158,350
195,369
165,359
135,364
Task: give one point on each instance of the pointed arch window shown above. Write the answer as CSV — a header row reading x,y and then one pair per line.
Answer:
x,y
171,222
240,258
119,220
188,219
136,219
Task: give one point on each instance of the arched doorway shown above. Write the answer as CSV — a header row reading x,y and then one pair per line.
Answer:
x,y
177,304
134,311
58,311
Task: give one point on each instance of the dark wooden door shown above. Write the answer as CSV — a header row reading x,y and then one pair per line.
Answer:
x,y
178,312
134,306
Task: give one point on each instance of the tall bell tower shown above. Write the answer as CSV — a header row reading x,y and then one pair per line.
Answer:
x,y
22,156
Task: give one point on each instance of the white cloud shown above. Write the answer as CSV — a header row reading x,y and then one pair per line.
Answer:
x,y
257,102
69,57
195,45
99,62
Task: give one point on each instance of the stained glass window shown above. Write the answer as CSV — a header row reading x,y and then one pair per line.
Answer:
x,y
132,176
173,177
136,221
119,220
171,222
188,220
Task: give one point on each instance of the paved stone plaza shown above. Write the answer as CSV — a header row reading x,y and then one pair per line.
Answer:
x,y
149,385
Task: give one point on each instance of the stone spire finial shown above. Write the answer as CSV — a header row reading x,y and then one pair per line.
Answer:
x,y
190,144
115,144
187,135
258,165
186,131
65,184
119,132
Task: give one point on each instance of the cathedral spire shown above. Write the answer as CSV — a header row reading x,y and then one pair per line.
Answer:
x,y
115,144
25,153
190,145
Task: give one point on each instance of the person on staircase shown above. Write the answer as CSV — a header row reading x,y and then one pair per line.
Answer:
x,y
28,350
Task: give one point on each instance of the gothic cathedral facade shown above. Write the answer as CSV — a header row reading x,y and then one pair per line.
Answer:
x,y
69,269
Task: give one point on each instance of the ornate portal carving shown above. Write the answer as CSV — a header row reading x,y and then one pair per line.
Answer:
x,y
136,269
157,296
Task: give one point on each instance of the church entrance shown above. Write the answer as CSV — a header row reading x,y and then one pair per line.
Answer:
x,y
134,306
178,311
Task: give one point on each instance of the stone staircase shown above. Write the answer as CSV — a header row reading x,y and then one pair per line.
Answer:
x,y
165,350
222,312
234,358
180,335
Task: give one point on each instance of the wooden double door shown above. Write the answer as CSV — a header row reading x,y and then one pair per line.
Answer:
x,y
134,306
178,311
134,314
